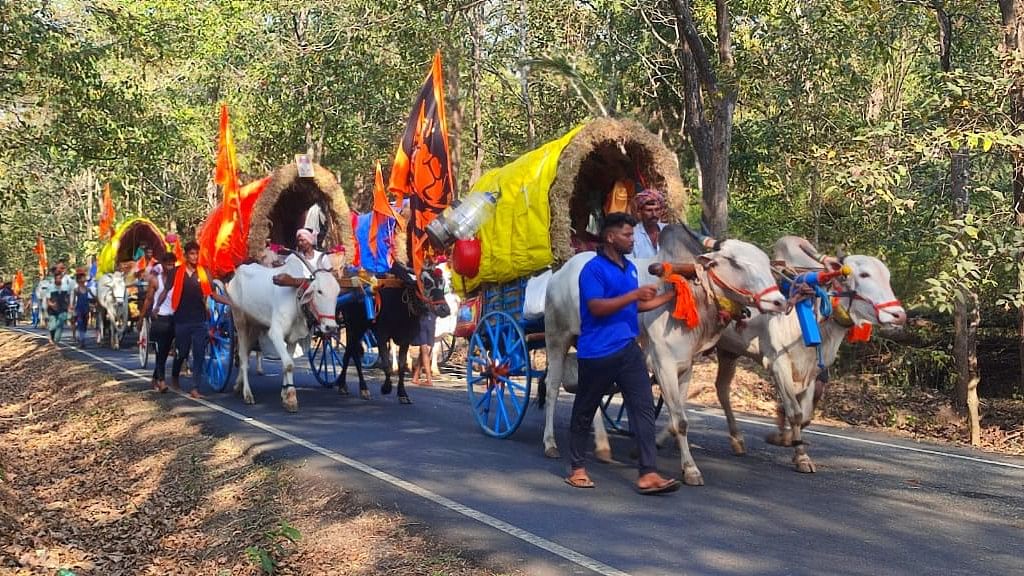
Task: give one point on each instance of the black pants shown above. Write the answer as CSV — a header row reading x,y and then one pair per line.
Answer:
x,y
161,333
628,369
190,337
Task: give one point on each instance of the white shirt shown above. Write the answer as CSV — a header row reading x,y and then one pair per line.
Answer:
x,y
642,245
166,307
295,267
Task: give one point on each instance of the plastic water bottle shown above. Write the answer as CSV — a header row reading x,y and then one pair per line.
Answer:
x,y
467,216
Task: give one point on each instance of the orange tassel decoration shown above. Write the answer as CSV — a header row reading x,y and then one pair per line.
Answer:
x,y
686,306
859,333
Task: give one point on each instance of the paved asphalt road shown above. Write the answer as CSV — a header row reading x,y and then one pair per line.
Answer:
x,y
878,505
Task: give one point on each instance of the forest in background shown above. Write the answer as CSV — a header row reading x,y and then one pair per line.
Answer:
x,y
881,127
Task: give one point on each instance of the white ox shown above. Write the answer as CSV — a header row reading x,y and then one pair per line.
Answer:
x,y
737,272
280,312
776,342
111,295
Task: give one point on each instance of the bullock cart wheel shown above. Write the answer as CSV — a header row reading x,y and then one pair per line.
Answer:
x,y
371,354
615,415
221,351
144,343
498,374
447,345
325,352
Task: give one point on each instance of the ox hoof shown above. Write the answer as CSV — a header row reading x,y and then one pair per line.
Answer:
x,y
778,439
364,394
290,401
693,477
739,448
385,388
249,399
404,400
342,389
552,452
603,455
804,465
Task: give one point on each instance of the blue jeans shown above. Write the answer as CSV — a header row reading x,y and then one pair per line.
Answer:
x,y
628,369
190,338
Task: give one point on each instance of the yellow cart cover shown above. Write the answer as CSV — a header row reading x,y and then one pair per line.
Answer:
x,y
129,235
516,242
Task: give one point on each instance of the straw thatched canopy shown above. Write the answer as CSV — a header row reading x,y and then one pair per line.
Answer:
x,y
604,151
278,212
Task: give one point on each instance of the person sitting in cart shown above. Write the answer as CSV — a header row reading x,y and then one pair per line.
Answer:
x,y
608,353
649,206
304,248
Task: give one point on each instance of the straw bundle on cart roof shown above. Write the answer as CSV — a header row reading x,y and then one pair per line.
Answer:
x,y
278,212
604,151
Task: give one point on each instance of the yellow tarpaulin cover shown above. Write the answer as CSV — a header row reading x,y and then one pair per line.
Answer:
x,y
107,260
516,242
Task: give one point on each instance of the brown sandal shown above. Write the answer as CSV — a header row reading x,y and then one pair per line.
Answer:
x,y
579,479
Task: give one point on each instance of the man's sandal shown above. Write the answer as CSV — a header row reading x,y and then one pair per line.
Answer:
x,y
577,480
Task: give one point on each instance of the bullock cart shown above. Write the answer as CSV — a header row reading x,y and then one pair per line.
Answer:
x,y
551,202
272,210
120,287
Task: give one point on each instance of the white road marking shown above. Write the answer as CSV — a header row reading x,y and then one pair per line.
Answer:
x,y
514,531
709,412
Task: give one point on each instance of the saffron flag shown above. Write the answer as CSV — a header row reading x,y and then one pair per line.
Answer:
x,y
40,251
382,210
231,236
19,283
107,215
422,169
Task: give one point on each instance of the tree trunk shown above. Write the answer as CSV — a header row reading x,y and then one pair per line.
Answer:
x,y
708,111
455,126
476,37
1012,12
524,73
966,315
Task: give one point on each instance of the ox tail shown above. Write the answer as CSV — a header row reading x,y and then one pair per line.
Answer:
x,y
542,390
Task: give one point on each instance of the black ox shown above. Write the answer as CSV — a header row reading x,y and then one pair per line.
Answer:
x,y
397,321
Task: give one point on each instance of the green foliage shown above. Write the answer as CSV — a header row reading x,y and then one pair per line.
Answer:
x,y
277,544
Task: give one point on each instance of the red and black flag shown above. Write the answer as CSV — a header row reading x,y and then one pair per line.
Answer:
x,y
422,170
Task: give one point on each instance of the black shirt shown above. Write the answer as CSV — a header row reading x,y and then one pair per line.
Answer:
x,y
192,307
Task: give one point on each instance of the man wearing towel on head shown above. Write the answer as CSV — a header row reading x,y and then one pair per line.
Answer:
x,y
296,271
649,207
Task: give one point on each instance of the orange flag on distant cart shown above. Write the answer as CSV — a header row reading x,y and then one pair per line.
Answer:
x,y
40,251
19,283
382,209
231,236
423,169
107,215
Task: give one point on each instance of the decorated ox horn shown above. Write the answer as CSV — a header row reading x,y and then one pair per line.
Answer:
x,y
661,269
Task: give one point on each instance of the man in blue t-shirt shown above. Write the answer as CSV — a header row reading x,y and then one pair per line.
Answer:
x,y
608,353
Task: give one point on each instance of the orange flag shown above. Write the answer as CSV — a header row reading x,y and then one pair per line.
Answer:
x,y
107,215
231,236
40,251
19,283
382,209
179,254
423,169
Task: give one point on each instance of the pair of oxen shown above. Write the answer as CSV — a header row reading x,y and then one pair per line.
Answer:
x,y
733,276
286,314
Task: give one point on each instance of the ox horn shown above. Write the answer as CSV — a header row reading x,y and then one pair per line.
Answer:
x,y
661,269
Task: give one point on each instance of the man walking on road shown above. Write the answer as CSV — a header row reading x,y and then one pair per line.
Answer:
x,y
608,353
188,300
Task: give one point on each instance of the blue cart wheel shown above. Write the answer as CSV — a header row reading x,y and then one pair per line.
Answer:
x,y
615,415
220,351
371,353
498,374
325,353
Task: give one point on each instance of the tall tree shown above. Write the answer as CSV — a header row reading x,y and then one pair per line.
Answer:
x,y
710,101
